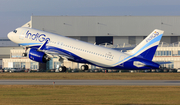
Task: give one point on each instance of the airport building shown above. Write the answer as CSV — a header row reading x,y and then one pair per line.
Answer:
x,y
108,31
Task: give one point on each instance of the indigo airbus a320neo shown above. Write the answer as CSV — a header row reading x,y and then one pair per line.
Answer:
x,y
41,46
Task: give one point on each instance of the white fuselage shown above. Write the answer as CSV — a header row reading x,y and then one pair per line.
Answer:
x,y
98,55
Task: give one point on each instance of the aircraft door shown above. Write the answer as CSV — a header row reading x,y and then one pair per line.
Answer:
x,y
22,34
121,58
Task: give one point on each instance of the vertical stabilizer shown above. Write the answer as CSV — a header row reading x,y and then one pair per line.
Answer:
x,y
148,46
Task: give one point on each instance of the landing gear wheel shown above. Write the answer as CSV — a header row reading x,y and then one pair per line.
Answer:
x,y
84,67
62,69
24,54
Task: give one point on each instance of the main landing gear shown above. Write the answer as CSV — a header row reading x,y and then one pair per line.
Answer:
x,y
84,67
62,69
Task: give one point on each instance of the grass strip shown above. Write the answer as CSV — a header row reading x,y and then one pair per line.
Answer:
x,y
88,95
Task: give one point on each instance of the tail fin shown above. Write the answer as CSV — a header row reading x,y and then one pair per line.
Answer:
x,y
148,46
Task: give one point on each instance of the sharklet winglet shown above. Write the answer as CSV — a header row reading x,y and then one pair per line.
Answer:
x,y
43,46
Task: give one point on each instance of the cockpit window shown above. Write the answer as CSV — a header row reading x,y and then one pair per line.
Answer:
x,y
15,31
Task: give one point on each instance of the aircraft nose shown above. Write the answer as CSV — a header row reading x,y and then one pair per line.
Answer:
x,y
10,35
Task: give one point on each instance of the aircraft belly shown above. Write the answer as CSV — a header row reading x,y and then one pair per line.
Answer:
x,y
100,61
101,64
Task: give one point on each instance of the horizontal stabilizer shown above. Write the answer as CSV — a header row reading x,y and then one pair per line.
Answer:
x,y
161,63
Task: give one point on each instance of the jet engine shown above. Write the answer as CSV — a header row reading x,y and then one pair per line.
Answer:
x,y
38,56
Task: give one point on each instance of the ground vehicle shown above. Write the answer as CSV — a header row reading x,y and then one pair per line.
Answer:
x,y
15,70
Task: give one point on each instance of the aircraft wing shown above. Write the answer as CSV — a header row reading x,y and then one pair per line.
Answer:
x,y
57,53
124,49
52,52
161,63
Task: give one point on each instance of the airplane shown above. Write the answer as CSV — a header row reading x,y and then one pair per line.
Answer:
x,y
41,46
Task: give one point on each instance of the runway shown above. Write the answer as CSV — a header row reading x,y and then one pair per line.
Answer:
x,y
93,82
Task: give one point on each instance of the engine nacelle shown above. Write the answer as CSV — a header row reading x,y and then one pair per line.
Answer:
x,y
38,56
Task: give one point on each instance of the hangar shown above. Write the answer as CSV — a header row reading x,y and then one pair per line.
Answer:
x,y
114,31
109,29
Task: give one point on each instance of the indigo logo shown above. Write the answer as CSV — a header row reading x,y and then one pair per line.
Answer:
x,y
37,36
152,36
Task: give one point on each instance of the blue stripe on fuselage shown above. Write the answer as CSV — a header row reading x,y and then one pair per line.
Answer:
x,y
29,44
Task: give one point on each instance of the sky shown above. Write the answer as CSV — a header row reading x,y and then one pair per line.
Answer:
x,y
15,13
